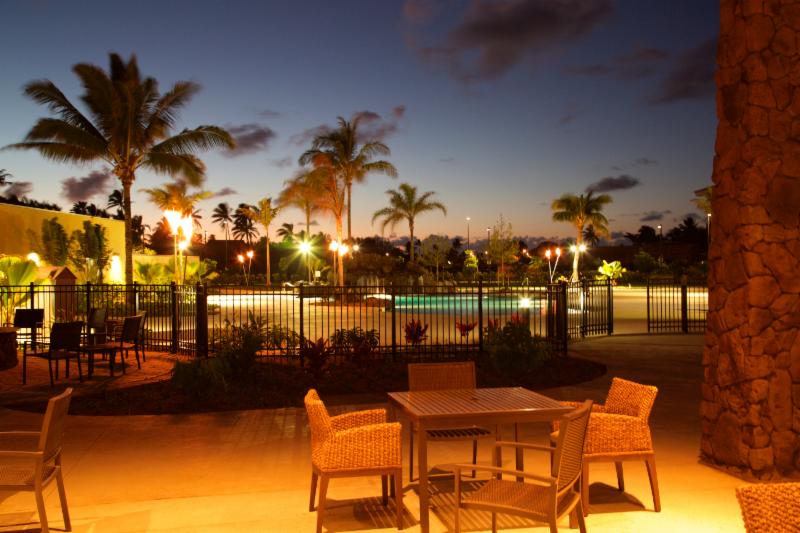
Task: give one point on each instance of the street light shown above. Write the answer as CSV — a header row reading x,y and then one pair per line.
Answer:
x,y
249,255
305,249
468,219
240,257
708,227
548,254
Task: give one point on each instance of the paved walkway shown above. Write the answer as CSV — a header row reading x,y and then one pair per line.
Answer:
x,y
249,470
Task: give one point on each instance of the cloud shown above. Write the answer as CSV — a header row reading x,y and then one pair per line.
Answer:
x,y
493,36
283,162
250,138
645,161
613,183
269,113
449,160
421,11
571,112
617,234
651,216
692,77
640,63
372,126
308,135
19,189
81,189
225,191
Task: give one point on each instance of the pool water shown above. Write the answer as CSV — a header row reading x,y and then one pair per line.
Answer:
x,y
462,302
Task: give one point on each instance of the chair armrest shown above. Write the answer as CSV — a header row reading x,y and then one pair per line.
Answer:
x,y
20,454
512,444
358,419
375,435
373,446
20,433
596,407
546,481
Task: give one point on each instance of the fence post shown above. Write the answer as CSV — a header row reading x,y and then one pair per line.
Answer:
x,y
584,299
135,297
32,295
684,307
610,308
551,333
302,322
648,305
394,323
88,298
173,301
480,315
201,321
562,317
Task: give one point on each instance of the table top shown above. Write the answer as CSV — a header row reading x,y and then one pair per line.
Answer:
x,y
490,402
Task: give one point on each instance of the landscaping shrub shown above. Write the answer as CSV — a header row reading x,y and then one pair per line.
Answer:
x,y
356,342
513,351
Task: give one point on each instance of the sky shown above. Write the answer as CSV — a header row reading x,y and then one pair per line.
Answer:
x,y
499,106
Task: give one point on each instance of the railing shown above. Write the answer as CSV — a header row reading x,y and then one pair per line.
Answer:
x,y
590,308
676,307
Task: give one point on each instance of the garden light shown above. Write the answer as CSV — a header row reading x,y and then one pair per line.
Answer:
x,y
250,254
582,248
173,219
343,249
333,246
525,303
305,247
355,247
183,245
34,258
240,257
186,226
115,270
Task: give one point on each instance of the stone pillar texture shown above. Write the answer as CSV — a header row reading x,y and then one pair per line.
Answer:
x,y
750,406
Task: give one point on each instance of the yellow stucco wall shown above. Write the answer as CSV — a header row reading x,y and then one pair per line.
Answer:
x,y
16,220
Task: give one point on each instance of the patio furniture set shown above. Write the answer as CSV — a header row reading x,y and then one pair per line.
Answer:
x,y
443,404
99,335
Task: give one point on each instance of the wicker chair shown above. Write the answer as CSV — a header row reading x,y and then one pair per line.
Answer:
x,y
353,445
30,460
770,508
619,431
445,376
544,498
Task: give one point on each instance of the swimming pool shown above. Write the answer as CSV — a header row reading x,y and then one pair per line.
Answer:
x,y
463,303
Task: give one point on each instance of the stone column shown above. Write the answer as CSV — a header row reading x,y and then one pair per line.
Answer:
x,y
751,390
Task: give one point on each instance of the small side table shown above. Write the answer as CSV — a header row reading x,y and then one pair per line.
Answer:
x,y
8,348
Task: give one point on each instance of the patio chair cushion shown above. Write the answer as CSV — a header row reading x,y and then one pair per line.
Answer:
x,y
526,497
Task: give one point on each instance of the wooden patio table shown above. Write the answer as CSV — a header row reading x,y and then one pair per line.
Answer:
x,y
443,409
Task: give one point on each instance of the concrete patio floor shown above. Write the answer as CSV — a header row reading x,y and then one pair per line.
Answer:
x,y
249,470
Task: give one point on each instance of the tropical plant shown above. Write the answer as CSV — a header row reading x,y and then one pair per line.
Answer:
x,y
150,273
316,355
114,200
85,208
286,232
331,198
14,273
590,236
465,328
351,160
502,247
470,263
244,228
612,271
644,235
300,192
222,216
264,213
406,205
415,332
53,246
128,127
703,200
89,252
579,211
360,344
512,349
278,338
175,196
4,175
434,251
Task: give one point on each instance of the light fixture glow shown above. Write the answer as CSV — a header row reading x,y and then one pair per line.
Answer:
x,y
525,303
34,258
240,257
305,247
173,219
115,270
343,249
333,246
249,254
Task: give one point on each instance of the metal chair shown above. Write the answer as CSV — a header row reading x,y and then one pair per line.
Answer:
x,y
445,376
96,325
32,319
770,507
31,460
65,344
125,338
543,498
353,445
619,431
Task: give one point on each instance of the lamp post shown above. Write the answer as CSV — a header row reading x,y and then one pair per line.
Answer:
x,y
249,255
305,249
240,258
468,219
548,254
708,228
660,245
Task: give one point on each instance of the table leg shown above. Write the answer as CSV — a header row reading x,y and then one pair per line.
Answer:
x,y
518,452
424,497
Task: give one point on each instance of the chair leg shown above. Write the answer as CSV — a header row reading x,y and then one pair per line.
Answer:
x,y
398,495
651,472
62,496
41,509
384,490
494,522
323,490
80,372
50,369
66,367
24,368
457,516
553,524
411,455
585,488
474,455
620,478
313,492
136,352
579,513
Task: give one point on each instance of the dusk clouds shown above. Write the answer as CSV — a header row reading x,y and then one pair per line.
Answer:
x,y
692,76
491,37
614,183
372,126
652,216
81,189
640,63
250,138
18,189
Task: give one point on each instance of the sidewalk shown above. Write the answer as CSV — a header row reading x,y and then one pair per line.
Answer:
x,y
249,470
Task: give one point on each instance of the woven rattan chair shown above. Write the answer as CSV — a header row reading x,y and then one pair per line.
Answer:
x,y
770,508
619,431
65,344
353,445
543,498
445,376
30,460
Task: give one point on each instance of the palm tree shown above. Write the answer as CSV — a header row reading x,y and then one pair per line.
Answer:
x,y
349,159
114,200
243,226
579,211
300,192
590,235
176,197
264,213
286,232
128,127
404,204
222,216
331,198
4,175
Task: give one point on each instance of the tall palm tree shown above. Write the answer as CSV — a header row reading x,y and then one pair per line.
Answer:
x,y
4,175
405,204
243,226
264,213
176,196
580,210
590,235
330,198
300,192
128,127
350,159
222,216
114,200
286,232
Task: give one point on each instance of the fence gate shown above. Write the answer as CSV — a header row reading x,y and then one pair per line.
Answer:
x,y
676,307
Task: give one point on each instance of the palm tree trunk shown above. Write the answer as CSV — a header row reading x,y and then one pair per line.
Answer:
x,y
411,247
225,263
349,205
576,256
127,182
339,233
269,272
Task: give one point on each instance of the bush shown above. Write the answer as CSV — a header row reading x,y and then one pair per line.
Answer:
x,y
513,351
278,337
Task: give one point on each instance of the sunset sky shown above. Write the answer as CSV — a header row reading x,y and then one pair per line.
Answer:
x,y
497,105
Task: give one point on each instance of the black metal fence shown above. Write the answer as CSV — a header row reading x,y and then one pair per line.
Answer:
x,y
676,307
408,322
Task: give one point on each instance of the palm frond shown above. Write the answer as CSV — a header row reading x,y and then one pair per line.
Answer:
x,y
187,166
57,151
200,138
45,92
53,129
